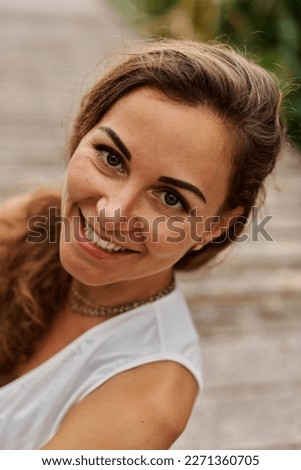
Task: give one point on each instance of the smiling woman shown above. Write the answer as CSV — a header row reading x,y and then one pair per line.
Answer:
x,y
168,154
144,178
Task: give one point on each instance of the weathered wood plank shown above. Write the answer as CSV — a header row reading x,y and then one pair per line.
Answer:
x,y
266,417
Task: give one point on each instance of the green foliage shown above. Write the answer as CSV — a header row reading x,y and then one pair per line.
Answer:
x,y
270,30
155,7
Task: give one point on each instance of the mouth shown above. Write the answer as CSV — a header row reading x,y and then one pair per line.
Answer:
x,y
99,242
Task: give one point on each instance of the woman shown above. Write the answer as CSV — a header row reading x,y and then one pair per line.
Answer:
x,y
167,156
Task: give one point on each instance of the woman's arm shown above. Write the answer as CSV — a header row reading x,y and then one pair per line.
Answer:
x,y
144,408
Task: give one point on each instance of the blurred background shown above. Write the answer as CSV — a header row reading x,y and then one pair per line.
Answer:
x,y
247,308
269,29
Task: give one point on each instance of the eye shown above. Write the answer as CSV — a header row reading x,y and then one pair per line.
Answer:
x,y
174,200
171,199
110,158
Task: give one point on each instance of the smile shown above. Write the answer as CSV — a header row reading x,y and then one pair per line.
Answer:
x,y
98,241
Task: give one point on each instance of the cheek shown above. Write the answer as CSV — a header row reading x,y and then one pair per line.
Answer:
x,y
77,179
173,238
75,174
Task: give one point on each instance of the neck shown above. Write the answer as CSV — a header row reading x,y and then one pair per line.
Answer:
x,y
123,292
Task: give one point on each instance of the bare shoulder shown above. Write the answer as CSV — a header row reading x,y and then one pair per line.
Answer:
x,y
14,204
34,201
144,408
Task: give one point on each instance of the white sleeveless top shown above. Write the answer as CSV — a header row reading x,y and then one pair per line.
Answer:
x,y
33,406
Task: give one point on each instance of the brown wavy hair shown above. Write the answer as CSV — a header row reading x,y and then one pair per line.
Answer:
x,y
33,284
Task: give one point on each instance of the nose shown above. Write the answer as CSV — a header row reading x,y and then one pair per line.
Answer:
x,y
120,210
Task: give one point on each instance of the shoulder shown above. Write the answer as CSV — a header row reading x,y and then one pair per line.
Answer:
x,y
12,221
32,201
144,408
16,212
14,204
165,389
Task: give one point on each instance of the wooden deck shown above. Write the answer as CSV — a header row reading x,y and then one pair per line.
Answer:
x,y
248,314
248,309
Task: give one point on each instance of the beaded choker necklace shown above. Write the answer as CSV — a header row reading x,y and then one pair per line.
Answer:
x,y
79,304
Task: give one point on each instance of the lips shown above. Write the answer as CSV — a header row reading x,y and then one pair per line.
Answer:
x,y
101,242
97,240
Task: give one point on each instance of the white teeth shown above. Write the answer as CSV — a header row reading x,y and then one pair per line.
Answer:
x,y
94,238
111,246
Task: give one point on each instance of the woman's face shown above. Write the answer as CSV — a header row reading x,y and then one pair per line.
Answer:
x,y
139,188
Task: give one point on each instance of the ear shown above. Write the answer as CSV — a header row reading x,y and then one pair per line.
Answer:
x,y
217,225
198,247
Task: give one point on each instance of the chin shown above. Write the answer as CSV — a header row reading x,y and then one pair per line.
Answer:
x,y
83,274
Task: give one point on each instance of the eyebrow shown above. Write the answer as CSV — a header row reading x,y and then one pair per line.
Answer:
x,y
164,179
183,185
117,141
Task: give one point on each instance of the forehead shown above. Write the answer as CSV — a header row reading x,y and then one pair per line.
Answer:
x,y
185,140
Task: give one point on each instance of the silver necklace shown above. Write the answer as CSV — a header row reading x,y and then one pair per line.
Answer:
x,y
79,304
